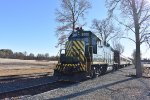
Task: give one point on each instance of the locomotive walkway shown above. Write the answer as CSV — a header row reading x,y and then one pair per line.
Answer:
x,y
118,85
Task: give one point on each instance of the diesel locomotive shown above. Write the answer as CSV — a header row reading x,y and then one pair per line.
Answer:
x,y
85,55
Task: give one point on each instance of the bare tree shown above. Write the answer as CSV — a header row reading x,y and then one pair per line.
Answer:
x,y
118,46
104,29
69,16
133,56
136,18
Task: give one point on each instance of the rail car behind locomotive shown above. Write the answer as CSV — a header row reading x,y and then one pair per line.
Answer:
x,y
124,61
85,55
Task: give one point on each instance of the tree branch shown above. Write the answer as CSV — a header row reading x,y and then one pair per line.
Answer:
x,y
143,32
146,38
125,25
145,18
129,39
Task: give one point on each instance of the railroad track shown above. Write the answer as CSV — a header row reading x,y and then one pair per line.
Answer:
x,y
35,89
25,76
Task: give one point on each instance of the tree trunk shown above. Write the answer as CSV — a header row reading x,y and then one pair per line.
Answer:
x,y
138,58
137,35
73,26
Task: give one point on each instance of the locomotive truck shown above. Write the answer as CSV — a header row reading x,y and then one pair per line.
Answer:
x,y
85,55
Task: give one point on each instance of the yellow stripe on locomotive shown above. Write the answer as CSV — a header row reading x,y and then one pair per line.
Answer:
x,y
74,49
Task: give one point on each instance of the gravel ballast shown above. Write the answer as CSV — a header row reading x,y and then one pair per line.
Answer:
x,y
116,85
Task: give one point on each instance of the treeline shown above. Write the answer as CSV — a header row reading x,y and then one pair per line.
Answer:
x,y
7,53
145,59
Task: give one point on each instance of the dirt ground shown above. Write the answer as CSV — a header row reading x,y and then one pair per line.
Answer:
x,y
10,67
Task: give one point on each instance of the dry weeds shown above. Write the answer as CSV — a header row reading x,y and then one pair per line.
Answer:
x,y
21,67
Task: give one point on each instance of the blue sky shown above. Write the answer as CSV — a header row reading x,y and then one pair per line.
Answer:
x,y
29,25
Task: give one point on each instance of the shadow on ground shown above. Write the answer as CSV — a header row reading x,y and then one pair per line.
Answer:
x,y
92,89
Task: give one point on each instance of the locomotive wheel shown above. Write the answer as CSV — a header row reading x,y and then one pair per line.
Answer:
x,y
97,70
104,69
100,70
115,67
93,73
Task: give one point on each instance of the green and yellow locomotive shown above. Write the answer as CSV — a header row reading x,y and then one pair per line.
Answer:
x,y
85,55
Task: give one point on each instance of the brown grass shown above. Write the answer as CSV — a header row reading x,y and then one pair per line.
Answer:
x,y
22,67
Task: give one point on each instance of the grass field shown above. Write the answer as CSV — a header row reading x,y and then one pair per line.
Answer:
x,y
10,67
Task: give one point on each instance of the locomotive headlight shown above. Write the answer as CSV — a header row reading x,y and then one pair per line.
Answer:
x,y
78,64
